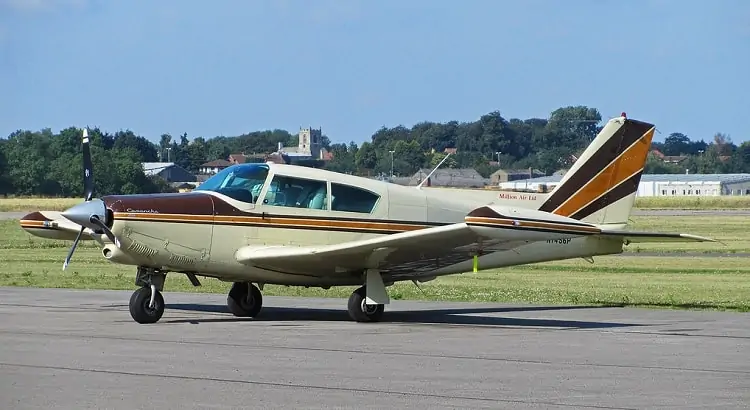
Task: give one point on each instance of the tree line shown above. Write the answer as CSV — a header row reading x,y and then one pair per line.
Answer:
x,y
50,164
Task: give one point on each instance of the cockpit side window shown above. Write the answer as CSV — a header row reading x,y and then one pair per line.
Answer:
x,y
297,193
241,182
350,199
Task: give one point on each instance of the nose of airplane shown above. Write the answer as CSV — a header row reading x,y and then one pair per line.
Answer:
x,y
82,213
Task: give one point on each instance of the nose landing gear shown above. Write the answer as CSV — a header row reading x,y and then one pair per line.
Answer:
x,y
147,303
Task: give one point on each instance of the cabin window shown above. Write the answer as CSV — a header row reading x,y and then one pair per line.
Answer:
x,y
297,193
350,199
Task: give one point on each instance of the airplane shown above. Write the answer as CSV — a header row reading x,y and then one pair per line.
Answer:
x,y
254,224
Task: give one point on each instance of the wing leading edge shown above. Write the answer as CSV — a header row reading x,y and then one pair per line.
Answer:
x,y
484,230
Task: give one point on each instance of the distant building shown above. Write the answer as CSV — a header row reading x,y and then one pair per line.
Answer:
x,y
310,146
183,186
243,158
505,175
213,167
660,184
168,171
447,177
671,159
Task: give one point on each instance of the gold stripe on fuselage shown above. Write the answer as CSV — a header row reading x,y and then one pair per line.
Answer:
x,y
354,225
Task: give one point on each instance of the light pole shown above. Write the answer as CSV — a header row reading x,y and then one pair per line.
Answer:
x,y
391,163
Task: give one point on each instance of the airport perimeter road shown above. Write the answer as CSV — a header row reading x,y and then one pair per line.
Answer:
x,y
80,349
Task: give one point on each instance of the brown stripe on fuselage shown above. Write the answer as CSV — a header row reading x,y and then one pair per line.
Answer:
x,y
624,137
199,207
193,203
290,222
626,188
628,164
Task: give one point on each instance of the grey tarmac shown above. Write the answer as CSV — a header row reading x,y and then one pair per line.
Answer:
x,y
80,349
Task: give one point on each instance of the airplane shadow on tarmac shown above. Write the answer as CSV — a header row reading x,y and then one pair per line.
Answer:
x,y
447,316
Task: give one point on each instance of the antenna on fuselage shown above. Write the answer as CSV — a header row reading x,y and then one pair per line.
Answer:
x,y
433,171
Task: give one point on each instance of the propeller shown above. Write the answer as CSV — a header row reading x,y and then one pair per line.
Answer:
x,y
91,213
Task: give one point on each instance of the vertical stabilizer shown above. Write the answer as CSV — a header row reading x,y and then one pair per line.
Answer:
x,y
602,184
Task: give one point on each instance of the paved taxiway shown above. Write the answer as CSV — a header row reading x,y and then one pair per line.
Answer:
x,y
80,349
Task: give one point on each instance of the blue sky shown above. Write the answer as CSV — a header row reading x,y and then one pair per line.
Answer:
x,y
226,67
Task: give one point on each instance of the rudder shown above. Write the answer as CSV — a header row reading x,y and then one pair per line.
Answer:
x,y
601,185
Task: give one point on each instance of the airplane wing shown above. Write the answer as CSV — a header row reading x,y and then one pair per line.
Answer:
x,y
409,254
418,250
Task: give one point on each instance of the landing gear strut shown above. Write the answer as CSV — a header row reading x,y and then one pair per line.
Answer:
x,y
147,303
244,299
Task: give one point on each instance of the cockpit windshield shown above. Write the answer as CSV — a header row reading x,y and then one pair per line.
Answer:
x,y
242,182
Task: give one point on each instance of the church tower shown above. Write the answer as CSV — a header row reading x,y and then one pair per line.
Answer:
x,y
310,140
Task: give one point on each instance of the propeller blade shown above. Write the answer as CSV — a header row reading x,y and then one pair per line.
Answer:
x,y
95,220
73,248
88,171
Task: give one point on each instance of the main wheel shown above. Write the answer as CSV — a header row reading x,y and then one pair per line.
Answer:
x,y
244,299
362,312
139,306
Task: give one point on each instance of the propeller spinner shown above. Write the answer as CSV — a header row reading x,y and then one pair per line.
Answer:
x,y
91,213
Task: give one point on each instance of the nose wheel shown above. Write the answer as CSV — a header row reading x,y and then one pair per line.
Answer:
x,y
144,308
147,303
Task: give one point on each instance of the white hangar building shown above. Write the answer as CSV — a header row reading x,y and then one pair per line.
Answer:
x,y
658,184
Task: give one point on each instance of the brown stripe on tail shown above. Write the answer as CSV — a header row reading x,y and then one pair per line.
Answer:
x,y
626,188
611,173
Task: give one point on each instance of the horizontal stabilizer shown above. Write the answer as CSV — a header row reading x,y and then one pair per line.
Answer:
x,y
52,225
654,237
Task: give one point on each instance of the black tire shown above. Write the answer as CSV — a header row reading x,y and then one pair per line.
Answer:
x,y
238,303
360,312
139,306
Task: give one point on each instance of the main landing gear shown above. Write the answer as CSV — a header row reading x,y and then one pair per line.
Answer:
x,y
244,299
367,303
360,311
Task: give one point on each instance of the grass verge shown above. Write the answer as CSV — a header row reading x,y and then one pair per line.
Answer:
x,y
694,202
705,282
694,282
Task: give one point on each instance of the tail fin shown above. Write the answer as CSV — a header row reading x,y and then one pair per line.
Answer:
x,y
601,185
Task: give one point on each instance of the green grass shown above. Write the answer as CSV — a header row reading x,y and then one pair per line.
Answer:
x,y
29,204
631,280
23,204
694,202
